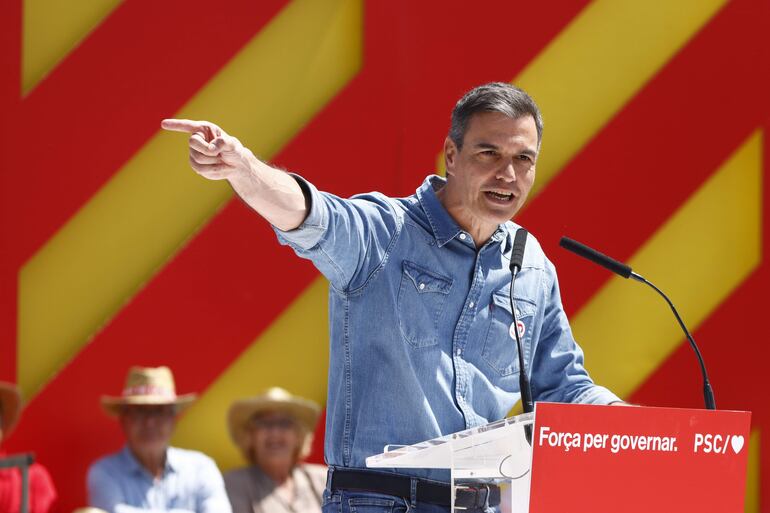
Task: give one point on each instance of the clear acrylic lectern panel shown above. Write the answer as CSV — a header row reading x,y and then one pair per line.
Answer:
x,y
494,454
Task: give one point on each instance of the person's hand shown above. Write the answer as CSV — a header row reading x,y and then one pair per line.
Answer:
x,y
213,153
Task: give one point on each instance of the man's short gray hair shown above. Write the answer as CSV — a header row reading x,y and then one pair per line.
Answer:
x,y
493,97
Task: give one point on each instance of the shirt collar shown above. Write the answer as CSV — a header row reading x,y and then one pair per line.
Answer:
x,y
444,227
134,466
504,234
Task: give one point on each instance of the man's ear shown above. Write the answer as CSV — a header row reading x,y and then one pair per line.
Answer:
x,y
450,155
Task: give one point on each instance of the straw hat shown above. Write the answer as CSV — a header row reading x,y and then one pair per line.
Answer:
x,y
147,386
10,404
274,399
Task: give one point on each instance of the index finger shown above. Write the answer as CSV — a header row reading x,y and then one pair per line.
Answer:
x,y
183,125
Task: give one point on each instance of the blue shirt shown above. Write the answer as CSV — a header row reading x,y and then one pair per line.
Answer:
x,y
191,482
419,323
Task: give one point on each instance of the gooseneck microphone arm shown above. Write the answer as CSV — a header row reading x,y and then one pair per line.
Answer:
x,y
626,272
708,393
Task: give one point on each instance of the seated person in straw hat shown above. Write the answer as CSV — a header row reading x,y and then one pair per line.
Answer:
x,y
42,493
274,431
148,474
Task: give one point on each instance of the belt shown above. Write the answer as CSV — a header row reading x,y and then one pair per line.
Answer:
x,y
427,491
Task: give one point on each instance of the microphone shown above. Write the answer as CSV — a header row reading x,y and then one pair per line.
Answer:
x,y
517,257
626,272
598,258
517,254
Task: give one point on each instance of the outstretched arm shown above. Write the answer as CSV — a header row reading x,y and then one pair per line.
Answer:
x,y
216,155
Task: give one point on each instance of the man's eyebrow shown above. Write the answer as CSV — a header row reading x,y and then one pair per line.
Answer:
x,y
486,146
490,146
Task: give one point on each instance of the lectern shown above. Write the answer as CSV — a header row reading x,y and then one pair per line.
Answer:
x,y
596,459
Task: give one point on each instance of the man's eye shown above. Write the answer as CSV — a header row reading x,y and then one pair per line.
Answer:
x,y
489,153
526,158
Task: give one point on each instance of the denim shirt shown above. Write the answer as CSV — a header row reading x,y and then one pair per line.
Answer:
x,y
419,323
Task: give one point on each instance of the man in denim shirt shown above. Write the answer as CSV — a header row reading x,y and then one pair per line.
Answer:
x,y
419,311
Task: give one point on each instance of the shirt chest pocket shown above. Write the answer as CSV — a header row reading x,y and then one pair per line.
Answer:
x,y
421,298
499,350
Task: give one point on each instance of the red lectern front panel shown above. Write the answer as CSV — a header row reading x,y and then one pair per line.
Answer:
x,y
608,458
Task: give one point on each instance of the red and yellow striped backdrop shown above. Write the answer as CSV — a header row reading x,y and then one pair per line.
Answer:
x,y
114,253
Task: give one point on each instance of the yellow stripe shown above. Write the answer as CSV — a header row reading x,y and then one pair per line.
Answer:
x,y
51,29
136,222
753,486
598,63
698,258
302,332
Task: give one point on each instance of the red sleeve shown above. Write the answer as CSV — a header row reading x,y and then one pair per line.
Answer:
x,y
42,493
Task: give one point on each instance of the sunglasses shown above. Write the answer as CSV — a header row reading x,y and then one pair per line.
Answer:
x,y
143,412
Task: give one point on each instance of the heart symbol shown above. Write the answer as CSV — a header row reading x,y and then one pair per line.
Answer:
x,y
737,442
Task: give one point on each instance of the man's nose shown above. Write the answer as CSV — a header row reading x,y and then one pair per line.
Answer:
x,y
507,173
149,420
152,420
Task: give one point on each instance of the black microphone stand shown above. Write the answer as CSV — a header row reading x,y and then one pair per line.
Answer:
x,y
517,257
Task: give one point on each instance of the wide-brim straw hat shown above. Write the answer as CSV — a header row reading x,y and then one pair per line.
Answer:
x,y
10,404
275,399
147,386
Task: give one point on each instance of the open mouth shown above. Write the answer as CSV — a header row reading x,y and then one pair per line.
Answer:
x,y
500,196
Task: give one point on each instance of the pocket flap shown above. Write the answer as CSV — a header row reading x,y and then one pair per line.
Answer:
x,y
425,280
525,307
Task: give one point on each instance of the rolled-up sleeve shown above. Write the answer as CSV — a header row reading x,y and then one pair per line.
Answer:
x,y
312,229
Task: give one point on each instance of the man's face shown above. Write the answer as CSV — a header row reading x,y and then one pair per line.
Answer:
x,y
490,178
148,429
275,437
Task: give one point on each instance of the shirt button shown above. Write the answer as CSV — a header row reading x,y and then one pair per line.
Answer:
x,y
472,304
462,236
422,286
459,352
